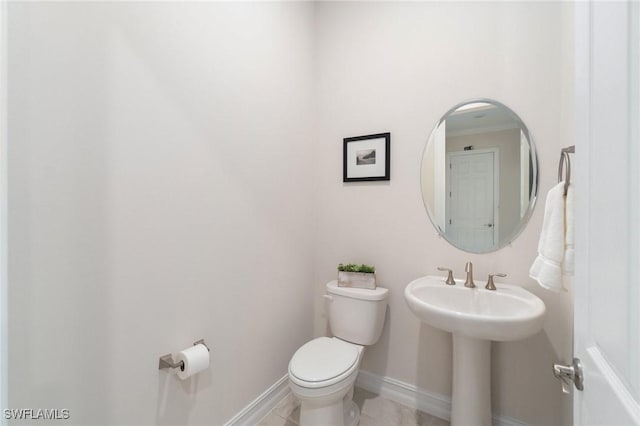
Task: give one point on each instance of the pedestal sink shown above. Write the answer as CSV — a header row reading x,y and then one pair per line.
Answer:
x,y
475,317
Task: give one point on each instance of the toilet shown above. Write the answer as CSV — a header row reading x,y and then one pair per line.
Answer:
x,y
322,372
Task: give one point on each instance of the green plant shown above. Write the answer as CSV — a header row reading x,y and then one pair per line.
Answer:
x,y
351,267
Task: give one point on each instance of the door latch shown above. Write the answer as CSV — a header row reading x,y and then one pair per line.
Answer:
x,y
568,374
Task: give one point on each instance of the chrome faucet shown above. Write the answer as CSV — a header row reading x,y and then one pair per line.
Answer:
x,y
468,268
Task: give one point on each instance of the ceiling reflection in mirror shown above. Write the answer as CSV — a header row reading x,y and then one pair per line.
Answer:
x,y
479,176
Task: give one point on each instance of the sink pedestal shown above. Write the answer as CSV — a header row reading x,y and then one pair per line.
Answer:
x,y
471,396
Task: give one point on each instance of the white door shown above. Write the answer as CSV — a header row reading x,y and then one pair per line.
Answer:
x,y
471,184
607,280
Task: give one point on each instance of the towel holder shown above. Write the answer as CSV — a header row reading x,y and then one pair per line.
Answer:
x,y
564,158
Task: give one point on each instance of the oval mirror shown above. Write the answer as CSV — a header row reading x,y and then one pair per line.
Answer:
x,y
479,176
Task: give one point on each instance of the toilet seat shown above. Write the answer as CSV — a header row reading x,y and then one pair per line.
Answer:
x,y
323,361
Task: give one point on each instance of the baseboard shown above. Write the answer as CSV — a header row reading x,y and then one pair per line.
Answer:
x,y
262,405
411,396
406,394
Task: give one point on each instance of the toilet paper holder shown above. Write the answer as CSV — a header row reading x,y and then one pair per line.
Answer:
x,y
166,361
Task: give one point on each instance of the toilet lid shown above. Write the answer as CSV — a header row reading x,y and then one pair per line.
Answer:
x,y
323,359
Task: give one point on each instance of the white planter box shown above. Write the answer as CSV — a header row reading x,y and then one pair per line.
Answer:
x,y
356,279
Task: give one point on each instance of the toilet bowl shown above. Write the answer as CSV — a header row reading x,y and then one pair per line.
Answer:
x,y
323,371
321,376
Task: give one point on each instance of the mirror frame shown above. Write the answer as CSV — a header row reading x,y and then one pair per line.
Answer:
x,y
534,188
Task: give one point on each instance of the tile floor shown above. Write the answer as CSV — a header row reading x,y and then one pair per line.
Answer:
x,y
374,411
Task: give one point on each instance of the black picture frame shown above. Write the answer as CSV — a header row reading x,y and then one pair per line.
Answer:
x,y
366,158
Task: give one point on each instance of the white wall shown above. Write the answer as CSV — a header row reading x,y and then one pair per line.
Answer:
x,y
158,194
399,67
4,303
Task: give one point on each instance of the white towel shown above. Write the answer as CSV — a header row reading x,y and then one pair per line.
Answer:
x,y
555,249
569,253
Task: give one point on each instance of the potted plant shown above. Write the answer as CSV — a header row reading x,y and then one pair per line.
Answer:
x,y
359,276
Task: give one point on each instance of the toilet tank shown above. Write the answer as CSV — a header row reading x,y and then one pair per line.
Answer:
x,y
357,314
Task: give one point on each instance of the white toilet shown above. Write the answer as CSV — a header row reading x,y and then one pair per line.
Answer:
x,y
323,371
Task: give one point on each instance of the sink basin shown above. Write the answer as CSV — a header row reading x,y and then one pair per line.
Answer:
x,y
506,314
474,317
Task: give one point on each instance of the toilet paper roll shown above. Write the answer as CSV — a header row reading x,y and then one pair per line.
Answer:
x,y
195,359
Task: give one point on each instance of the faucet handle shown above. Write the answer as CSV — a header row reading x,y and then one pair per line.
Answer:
x,y
449,279
490,285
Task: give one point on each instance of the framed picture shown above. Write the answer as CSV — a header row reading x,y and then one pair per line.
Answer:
x,y
367,158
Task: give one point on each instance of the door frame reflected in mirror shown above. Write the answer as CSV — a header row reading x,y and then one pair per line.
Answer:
x,y
477,125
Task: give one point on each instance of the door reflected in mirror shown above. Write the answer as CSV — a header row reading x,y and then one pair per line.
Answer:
x,y
479,176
